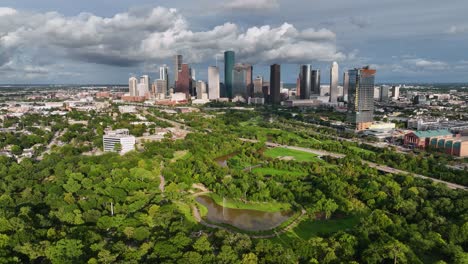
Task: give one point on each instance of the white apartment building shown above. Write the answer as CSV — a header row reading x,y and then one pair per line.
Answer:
x,y
119,136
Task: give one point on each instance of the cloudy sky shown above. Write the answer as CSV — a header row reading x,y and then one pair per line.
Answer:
x,y
106,41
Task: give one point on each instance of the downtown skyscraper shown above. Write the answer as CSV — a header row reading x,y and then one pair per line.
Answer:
x,y
345,86
361,97
242,80
275,84
305,81
229,61
177,66
133,86
164,78
334,82
315,83
183,80
213,83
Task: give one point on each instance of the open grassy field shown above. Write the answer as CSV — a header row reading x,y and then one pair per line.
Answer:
x,y
310,228
259,206
284,152
181,154
277,172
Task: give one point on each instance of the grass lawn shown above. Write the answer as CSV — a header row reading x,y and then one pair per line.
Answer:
x,y
360,150
277,172
179,155
259,206
186,210
284,152
310,228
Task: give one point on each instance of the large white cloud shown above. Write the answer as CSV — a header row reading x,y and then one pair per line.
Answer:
x,y
142,36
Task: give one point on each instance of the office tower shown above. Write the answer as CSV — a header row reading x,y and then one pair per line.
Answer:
x,y
275,83
193,74
161,88
118,140
334,82
384,90
164,75
266,90
142,89
395,92
258,85
229,61
145,79
242,83
306,79
177,66
183,80
361,97
213,83
200,89
345,86
132,86
298,87
316,90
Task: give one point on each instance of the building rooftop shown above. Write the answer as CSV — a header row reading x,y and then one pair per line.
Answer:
x,y
432,133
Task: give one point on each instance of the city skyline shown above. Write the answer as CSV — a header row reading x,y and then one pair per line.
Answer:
x,y
79,43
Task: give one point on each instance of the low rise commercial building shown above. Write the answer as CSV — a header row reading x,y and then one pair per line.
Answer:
x,y
118,140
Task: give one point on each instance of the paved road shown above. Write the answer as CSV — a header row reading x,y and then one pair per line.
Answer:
x,y
379,167
162,183
53,141
397,171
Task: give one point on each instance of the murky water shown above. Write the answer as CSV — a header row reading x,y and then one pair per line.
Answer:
x,y
250,220
222,161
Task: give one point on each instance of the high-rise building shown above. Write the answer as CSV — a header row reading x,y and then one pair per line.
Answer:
x,y
142,89
132,86
242,83
384,91
395,92
316,90
177,66
306,82
213,82
275,84
334,82
361,97
193,74
229,61
161,88
298,87
164,75
183,80
201,90
145,79
258,85
345,86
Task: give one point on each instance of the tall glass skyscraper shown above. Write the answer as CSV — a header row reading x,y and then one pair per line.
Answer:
x,y
361,97
275,84
316,82
345,86
229,61
306,79
242,83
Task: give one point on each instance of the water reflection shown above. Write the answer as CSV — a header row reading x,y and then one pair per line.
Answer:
x,y
250,220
